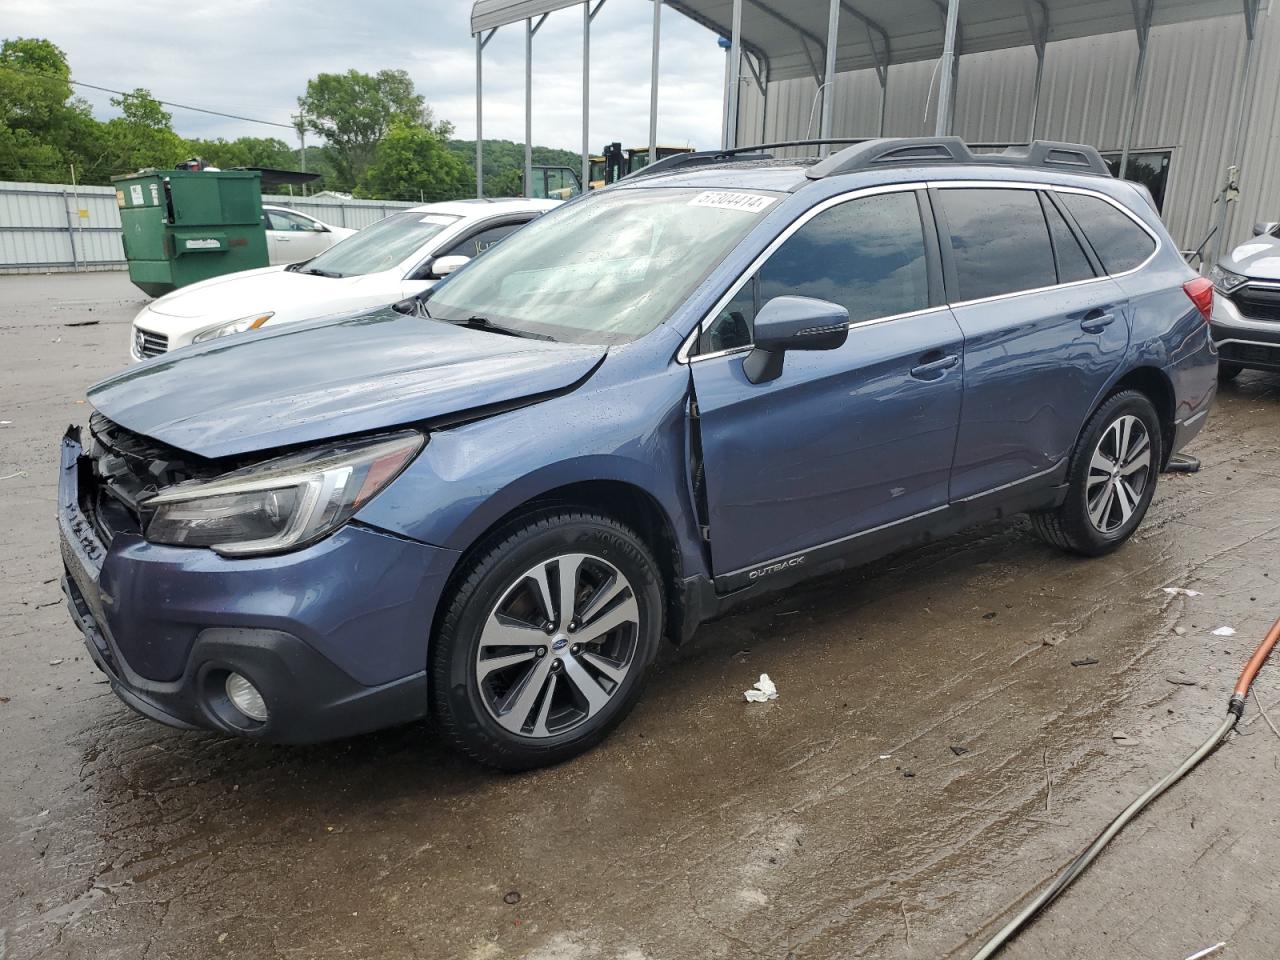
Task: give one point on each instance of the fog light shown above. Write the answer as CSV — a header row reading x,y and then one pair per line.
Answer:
x,y
246,698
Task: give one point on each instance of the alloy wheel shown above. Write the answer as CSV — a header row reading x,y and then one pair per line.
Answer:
x,y
557,645
1119,472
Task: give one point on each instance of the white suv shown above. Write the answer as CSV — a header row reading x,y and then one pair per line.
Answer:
x,y
397,257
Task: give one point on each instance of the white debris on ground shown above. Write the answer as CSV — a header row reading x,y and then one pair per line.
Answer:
x,y
763,690
1224,632
1181,592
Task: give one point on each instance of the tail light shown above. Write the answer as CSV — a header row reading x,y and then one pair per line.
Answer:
x,y
1200,290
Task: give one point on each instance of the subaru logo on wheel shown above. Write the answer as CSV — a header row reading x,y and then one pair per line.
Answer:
x,y
560,644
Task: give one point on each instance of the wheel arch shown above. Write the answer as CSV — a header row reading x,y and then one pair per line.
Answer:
x,y
1155,385
621,500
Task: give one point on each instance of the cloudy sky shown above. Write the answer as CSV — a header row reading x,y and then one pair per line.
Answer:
x,y
253,58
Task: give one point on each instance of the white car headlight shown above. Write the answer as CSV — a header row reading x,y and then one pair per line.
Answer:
x,y
1224,280
235,326
280,504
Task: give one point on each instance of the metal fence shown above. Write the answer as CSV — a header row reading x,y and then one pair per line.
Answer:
x,y
54,227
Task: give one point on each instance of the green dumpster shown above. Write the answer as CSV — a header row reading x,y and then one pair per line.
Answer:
x,y
181,226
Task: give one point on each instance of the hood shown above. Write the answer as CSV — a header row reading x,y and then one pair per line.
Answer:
x,y
1258,258
313,381
269,288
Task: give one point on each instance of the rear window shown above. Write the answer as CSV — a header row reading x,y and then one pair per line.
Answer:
x,y
1119,242
999,241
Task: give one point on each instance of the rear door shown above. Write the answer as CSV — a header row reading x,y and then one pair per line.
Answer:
x,y
1043,332
292,238
845,440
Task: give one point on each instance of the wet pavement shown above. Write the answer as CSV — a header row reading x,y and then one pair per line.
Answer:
x,y
933,754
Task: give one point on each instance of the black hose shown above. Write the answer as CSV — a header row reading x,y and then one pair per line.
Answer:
x,y
1081,863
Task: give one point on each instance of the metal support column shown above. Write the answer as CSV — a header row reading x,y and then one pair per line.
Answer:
x,y
530,28
1239,133
947,72
735,73
882,74
653,81
829,76
1039,40
481,43
1142,25
587,16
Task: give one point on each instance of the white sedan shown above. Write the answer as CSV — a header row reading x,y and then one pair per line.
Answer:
x,y
397,257
294,236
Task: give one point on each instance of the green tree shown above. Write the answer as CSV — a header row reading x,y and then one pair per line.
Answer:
x,y
143,135
412,163
34,95
353,111
246,152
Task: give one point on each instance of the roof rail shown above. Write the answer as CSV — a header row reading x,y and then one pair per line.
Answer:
x,y
697,158
869,154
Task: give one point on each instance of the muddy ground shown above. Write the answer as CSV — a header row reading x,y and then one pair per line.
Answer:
x,y
706,827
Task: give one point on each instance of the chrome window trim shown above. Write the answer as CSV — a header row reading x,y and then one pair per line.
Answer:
x,y
685,355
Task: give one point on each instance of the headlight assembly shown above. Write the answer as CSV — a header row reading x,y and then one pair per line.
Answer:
x,y
235,326
1224,280
281,504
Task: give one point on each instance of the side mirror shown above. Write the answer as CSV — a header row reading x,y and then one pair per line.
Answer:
x,y
443,266
793,323
1265,229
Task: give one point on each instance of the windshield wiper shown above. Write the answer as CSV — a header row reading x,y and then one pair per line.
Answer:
x,y
484,323
317,272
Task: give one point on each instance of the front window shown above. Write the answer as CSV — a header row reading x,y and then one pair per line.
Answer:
x,y
380,246
607,269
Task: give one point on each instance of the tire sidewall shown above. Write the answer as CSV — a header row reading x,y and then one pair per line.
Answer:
x,y
452,666
1130,403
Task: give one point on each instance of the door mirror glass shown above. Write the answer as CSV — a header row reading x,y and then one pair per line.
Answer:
x,y
793,323
1265,229
443,266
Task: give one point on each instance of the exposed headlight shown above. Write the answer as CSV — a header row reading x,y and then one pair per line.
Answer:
x,y
1224,280
280,504
235,326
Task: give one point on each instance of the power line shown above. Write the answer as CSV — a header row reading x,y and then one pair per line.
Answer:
x,y
165,103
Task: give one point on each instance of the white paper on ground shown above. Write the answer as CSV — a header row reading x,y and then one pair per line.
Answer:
x,y
1181,591
1224,632
763,690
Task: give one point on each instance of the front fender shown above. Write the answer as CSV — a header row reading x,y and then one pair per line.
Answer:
x,y
629,430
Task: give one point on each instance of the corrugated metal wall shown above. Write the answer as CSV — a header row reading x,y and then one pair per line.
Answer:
x,y
57,227
1190,95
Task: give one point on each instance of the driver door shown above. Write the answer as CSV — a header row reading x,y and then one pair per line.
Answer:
x,y
847,440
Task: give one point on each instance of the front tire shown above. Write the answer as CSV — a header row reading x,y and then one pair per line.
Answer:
x,y
1111,480
546,641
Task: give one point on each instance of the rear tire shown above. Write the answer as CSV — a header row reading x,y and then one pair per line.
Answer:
x,y
546,642
1227,372
1111,480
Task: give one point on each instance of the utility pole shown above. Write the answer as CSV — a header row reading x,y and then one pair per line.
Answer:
x,y
300,124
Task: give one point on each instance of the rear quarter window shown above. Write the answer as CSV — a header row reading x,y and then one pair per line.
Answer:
x,y
1119,242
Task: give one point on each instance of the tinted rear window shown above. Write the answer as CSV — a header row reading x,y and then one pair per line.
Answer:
x,y
1073,265
999,241
1119,242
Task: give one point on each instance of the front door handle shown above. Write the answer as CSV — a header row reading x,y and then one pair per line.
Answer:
x,y
1095,321
935,368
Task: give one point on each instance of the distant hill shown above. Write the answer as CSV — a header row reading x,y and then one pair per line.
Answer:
x,y
504,162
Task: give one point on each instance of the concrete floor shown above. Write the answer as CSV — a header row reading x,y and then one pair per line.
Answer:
x,y
705,827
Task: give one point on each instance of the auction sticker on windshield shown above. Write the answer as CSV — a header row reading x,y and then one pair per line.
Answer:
x,y
731,200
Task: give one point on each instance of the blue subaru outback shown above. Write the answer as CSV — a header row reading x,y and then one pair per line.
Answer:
x,y
490,505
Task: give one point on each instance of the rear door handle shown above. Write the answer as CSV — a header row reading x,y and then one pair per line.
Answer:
x,y
935,368
1095,321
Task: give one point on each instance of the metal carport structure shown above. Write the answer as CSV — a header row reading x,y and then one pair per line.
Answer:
x,y
784,39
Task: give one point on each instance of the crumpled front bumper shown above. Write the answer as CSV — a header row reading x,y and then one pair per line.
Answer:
x,y
334,636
